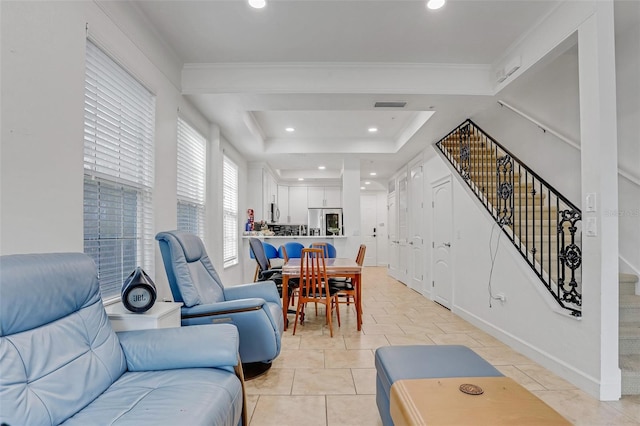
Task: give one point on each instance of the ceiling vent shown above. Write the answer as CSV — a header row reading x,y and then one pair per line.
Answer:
x,y
390,104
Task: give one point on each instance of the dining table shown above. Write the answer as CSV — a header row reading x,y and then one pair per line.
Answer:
x,y
336,267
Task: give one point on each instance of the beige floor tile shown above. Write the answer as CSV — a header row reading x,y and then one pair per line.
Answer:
x,y
356,358
546,378
421,328
276,381
486,339
628,404
456,327
251,402
346,395
366,341
386,329
410,339
322,341
365,380
502,355
300,358
352,410
521,378
454,339
323,381
392,319
582,409
290,411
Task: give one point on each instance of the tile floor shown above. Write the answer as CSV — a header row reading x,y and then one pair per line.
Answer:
x,y
324,381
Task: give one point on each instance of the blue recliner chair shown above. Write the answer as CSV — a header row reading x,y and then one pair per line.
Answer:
x,y
256,308
62,363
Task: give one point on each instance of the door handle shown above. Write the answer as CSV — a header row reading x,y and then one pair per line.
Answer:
x,y
447,244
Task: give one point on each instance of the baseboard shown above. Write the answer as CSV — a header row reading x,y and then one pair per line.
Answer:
x,y
582,380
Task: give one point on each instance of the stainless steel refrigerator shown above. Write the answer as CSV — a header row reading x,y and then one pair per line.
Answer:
x,y
325,222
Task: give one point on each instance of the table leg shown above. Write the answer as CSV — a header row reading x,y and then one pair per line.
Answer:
x,y
358,301
285,298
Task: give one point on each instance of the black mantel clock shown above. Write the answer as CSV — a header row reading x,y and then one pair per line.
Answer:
x,y
138,292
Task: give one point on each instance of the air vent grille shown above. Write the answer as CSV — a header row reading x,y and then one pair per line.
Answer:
x,y
390,104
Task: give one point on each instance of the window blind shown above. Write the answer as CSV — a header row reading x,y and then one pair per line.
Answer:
x,y
230,211
119,117
191,179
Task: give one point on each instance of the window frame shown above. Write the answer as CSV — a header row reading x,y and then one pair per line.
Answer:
x,y
119,127
230,214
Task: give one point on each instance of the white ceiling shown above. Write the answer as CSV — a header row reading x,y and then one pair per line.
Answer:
x,y
331,120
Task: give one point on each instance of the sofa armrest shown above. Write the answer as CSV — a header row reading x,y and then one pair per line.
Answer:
x,y
214,346
223,308
266,290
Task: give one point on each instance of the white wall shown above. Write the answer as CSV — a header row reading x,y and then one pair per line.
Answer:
x,y
628,105
43,65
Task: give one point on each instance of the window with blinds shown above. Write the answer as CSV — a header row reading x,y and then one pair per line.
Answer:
x,y
230,211
191,179
119,117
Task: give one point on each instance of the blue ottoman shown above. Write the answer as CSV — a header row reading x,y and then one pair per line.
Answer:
x,y
424,362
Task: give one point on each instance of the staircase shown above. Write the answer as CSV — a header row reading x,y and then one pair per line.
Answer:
x,y
629,335
543,225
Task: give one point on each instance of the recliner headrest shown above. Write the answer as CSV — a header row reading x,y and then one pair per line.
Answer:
x,y
192,246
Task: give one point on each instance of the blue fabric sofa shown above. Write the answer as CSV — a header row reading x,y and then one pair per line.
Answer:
x,y
62,363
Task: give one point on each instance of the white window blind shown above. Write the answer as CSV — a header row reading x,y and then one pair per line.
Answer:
x,y
230,211
119,117
191,179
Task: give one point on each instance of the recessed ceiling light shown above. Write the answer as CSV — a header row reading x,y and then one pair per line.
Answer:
x,y
290,129
321,167
435,4
257,4
362,187
373,129
372,174
300,179
367,183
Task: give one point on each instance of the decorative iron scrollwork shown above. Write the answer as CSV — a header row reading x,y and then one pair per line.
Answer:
x,y
569,257
465,152
504,190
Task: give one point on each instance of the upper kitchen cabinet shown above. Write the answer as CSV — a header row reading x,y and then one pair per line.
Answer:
x,y
298,205
262,190
324,196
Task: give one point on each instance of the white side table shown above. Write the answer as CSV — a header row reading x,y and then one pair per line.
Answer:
x,y
161,315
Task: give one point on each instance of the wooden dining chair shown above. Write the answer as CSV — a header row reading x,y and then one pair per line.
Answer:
x,y
329,249
343,286
314,287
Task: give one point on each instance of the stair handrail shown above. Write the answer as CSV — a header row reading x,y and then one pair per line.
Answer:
x,y
501,205
622,172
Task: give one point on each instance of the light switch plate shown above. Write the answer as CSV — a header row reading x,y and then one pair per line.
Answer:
x,y
591,227
591,202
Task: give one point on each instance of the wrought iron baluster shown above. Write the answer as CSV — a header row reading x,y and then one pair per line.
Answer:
x,y
570,257
504,188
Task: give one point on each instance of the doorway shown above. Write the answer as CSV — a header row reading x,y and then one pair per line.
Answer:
x,y
442,231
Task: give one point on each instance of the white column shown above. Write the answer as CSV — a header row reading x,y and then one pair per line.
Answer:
x,y
214,222
598,130
351,204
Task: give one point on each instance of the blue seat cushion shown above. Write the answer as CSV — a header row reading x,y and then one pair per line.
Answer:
x,y
201,395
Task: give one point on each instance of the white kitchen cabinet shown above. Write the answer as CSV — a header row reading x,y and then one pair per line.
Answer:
x,y
324,196
283,204
298,205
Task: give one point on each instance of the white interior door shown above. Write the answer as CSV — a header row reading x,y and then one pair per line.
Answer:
x,y
416,229
442,231
368,228
403,228
392,214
